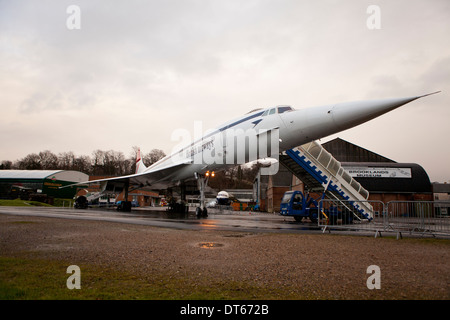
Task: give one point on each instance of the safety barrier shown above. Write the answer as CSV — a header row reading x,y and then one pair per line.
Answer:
x,y
335,215
413,217
423,217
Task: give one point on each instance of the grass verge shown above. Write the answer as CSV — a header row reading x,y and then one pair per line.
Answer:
x,y
23,203
38,279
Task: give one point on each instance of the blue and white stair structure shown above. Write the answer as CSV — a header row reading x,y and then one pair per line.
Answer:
x,y
318,169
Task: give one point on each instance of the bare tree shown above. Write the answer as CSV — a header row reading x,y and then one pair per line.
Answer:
x,y
6,165
153,156
97,162
30,162
83,164
48,160
110,163
66,160
101,163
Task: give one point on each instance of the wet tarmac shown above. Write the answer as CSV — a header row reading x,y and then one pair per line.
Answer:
x,y
223,220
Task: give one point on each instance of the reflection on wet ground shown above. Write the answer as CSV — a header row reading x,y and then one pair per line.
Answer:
x,y
210,245
159,217
230,219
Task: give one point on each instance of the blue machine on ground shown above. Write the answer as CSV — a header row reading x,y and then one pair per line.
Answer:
x,y
319,170
299,205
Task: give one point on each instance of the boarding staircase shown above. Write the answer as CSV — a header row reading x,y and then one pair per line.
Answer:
x,y
91,196
319,170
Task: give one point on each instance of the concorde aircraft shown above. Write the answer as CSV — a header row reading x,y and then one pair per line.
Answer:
x,y
259,134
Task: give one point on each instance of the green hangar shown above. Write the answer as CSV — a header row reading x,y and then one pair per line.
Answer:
x,y
15,182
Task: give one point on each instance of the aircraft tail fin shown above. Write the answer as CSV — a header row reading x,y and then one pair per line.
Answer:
x,y
140,166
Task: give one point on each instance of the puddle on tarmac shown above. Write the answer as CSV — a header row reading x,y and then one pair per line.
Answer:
x,y
210,245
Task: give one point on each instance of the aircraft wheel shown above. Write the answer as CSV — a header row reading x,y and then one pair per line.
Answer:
x,y
205,213
198,212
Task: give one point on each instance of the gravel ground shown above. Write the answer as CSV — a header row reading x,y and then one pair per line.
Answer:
x,y
326,265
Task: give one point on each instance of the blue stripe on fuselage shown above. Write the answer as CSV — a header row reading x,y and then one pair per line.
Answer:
x,y
216,131
228,127
241,120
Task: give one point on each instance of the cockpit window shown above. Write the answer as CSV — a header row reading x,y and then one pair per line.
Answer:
x,y
254,110
280,109
284,109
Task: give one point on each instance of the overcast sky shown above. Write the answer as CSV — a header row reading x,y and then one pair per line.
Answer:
x,y
137,70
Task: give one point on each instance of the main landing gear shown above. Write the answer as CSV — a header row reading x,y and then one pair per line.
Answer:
x,y
125,205
202,182
201,213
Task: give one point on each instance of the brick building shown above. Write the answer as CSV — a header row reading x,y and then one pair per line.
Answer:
x,y
385,179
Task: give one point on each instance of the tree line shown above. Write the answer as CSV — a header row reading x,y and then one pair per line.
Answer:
x,y
100,163
115,163
238,177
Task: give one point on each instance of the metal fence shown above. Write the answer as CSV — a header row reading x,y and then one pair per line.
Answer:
x,y
423,217
400,217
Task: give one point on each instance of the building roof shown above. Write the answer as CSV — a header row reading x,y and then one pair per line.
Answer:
x,y
345,151
27,174
63,175
441,187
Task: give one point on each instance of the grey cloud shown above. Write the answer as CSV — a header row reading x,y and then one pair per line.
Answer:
x,y
156,58
438,73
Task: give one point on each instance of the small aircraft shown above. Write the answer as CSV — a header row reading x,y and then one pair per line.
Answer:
x,y
259,134
223,198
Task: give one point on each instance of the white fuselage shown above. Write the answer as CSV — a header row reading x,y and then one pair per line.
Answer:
x,y
265,133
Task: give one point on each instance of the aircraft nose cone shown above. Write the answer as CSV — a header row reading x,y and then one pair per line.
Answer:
x,y
305,125
349,114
